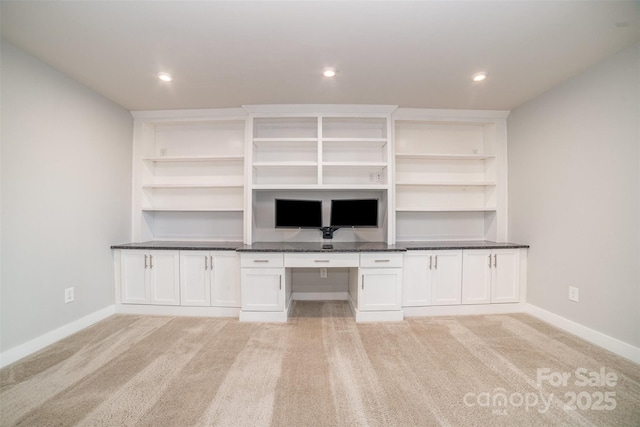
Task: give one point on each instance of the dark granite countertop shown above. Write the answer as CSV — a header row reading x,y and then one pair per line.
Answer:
x,y
463,244
181,245
320,247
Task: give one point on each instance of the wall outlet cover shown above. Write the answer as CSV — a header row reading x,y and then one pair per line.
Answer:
x,y
69,295
573,294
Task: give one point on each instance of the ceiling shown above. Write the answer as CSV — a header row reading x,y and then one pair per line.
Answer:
x,y
231,53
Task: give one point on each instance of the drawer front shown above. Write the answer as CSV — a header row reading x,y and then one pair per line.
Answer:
x,y
321,260
261,259
381,259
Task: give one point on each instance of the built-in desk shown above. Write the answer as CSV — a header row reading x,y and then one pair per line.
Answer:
x,y
375,277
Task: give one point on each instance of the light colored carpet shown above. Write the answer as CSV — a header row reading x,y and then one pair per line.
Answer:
x,y
319,369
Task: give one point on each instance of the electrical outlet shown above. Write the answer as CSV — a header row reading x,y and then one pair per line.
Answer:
x,y
323,273
68,295
375,177
573,294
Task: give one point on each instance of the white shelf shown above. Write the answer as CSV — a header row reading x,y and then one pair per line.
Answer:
x,y
171,186
444,209
356,164
445,156
287,139
179,159
381,141
187,209
284,164
319,187
447,184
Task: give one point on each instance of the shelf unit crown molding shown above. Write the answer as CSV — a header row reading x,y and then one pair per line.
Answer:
x,y
174,116
330,109
459,116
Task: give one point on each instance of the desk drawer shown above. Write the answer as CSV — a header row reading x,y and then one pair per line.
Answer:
x,y
381,259
261,259
321,260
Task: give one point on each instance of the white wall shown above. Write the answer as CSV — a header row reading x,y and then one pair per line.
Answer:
x,y
574,195
66,197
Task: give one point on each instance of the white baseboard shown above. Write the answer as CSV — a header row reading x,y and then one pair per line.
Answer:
x,y
263,316
614,345
463,310
320,296
177,310
16,353
379,316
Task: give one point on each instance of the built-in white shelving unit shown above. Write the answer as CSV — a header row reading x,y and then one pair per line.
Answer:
x,y
322,153
189,175
214,174
450,175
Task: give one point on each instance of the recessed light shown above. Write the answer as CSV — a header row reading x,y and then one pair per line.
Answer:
x,y
329,72
165,77
478,77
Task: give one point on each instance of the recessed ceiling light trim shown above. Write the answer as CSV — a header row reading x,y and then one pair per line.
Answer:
x,y
165,77
478,77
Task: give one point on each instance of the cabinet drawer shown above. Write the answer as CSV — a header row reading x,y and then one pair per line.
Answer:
x,y
261,259
381,259
321,260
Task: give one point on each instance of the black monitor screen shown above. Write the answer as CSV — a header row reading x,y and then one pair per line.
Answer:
x,y
354,213
298,213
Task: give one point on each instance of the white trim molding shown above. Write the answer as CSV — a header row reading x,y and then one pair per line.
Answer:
x,y
23,350
607,342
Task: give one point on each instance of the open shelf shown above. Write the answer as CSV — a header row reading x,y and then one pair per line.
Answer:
x,y
220,185
180,159
445,156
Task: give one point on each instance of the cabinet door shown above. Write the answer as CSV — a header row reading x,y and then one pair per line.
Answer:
x,y
164,277
225,279
133,277
380,289
262,289
505,284
446,278
195,283
416,279
476,276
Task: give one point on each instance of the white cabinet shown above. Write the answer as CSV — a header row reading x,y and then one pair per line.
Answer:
x,y
225,287
505,277
380,289
476,276
264,284
432,278
380,282
416,282
195,278
263,289
491,276
446,277
210,278
150,277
